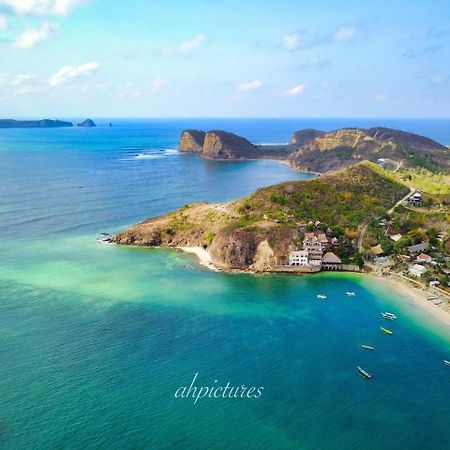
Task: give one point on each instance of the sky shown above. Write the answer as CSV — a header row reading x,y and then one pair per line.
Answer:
x,y
228,58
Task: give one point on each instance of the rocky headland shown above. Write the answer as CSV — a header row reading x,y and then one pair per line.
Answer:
x,y
88,123
320,151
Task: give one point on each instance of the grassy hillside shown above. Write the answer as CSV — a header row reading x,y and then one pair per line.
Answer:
x,y
261,229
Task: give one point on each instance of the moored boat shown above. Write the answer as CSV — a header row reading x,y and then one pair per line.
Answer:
x,y
364,373
447,363
385,330
389,316
350,293
367,347
321,296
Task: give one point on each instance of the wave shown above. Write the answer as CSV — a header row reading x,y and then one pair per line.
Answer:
x,y
146,153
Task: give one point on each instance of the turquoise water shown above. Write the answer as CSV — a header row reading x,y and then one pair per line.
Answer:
x,y
95,339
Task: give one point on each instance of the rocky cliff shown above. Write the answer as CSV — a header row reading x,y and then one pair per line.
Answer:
x,y
44,123
260,230
191,141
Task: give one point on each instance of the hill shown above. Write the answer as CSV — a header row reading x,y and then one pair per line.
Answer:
x,y
258,231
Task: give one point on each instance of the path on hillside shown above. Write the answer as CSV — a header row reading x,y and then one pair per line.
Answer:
x,y
411,192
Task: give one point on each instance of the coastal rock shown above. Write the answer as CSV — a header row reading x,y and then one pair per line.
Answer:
x,y
88,123
191,141
44,123
303,136
220,144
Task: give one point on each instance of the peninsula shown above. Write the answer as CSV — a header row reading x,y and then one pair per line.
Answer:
x,y
320,151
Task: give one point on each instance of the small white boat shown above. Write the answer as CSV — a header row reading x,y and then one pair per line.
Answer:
x,y
364,373
350,293
447,363
321,296
367,347
389,316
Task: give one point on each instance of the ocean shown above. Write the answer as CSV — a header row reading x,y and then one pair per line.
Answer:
x,y
96,339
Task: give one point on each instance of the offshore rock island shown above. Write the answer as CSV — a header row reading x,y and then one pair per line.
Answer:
x,y
44,123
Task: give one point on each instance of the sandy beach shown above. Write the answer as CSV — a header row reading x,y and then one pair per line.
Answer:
x,y
418,297
203,256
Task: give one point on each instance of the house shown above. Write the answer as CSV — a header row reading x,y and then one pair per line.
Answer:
x,y
317,224
418,248
395,237
334,241
415,199
322,238
417,270
299,258
377,250
424,258
434,283
314,247
331,262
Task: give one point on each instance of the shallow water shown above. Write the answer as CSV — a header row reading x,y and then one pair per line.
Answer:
x,y
95,339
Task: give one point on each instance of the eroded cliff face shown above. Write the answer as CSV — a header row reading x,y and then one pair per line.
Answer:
x,y
223,145
191,141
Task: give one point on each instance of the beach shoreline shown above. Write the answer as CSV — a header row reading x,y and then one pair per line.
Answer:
x,y
418,296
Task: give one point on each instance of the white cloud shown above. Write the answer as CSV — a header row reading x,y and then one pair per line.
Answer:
x,y
186,47
296,90
381,98
291,41
71,73
20,79
3,22
250,85
344,34
128,90
40,7
32,36
159,83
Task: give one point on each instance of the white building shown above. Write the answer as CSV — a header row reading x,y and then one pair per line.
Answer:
x,y
299,258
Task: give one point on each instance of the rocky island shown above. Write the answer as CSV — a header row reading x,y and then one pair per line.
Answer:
x,y
320,151
44,123
88,123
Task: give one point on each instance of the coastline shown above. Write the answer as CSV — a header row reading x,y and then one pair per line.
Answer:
x,y
417,296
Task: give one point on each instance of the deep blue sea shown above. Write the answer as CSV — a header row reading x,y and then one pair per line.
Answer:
x,y
95,339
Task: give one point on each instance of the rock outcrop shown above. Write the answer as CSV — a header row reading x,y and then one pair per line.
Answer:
x,y
191,141
44,123
223,145
88,123
217,144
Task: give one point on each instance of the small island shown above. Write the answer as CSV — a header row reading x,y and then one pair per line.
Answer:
x,y
44,123
88,123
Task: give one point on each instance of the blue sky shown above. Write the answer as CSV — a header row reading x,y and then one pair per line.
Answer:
x,y
180,58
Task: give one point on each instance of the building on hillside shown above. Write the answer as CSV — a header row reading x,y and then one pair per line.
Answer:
x,y
417,270
331,262
377,250
424,258
418,248
415,199
299,258
395,237
312,244
322,237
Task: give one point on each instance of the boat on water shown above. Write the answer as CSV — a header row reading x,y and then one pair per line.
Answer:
x,y
367,347
389,316
364,373
350,293
385,330
447,363
321,296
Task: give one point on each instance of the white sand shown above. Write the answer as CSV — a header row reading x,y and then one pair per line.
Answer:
x,y
202,254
